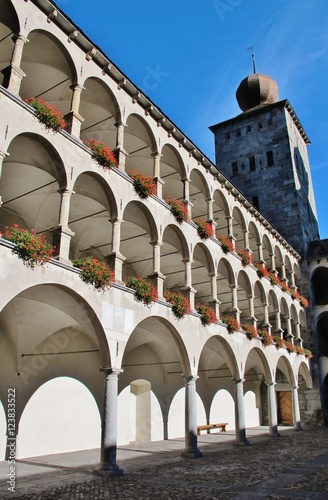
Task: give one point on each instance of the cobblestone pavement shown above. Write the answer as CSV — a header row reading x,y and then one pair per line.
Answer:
x,y
294,466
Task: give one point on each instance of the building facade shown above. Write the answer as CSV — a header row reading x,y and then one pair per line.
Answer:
x,y
98,368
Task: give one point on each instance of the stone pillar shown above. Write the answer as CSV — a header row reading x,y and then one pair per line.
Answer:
x,y
290,336
273,263
157,173
188,290
214,302
3,155
73,119
272,406
266,323
240,413
234,299
283,272
246,239
260,252
296,410
191,449
13,74
120,152
108,463
186,194
229,226
61,235
278,330
157,277
210,209
115,259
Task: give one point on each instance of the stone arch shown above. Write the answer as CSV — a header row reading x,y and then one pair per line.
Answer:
x,y
9,26
140,228
217,369
221,213
267,250
92,210
224,283
278,261
259,303
61,416
254,240
50,70
288,269
174,255
100,111
238,228
32,174
202,269
244,292
172,172
284,317
319,281
273,311
199,194
322,333
294,320
140,144
155,352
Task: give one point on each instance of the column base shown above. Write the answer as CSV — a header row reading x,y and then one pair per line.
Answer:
x,y
242,442
297,427
108,470
275,434
193,453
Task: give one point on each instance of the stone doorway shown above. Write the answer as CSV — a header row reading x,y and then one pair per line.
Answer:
x,y
285,408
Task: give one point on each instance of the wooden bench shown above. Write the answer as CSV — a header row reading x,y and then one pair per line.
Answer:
x,y
208,427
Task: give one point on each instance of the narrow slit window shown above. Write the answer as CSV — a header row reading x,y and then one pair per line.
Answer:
x,y
269,155
252,165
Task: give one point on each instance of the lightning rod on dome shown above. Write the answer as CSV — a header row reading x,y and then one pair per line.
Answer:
x,y
253,58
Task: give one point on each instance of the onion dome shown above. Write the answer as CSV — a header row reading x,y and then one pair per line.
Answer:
x,y
256,90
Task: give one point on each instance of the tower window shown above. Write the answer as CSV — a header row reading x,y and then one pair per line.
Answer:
x,y
269,155
252,166
234,166
255,201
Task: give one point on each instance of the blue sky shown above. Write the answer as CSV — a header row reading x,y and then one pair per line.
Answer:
x,y
197,50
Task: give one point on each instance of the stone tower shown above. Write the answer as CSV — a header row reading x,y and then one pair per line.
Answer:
x,y
264,153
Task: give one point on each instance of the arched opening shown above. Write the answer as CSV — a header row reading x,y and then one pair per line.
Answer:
x,y
172,172
9,26
254,241
176,425
257,376
198,195
202,269
322,332
140,144
49,70
284,382
225,283
244,293
319,282
61,416
100,112
238,228
267,251
220,213
223,409
259,304
174,251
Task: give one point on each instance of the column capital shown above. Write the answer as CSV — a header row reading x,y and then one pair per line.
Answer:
x,y
111,371
190,378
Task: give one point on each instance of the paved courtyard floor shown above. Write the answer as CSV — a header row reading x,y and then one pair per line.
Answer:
x,y
294,466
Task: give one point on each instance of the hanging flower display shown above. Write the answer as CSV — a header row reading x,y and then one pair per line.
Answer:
x,y
180,303
47,114
32,248
179,209
207,314
231,323
204,228
226,243
250,331
95,272
144,291
280,342
266,338
144,185
291,347
261,269
245,255
102,153
274,278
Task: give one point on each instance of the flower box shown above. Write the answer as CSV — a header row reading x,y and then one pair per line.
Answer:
x,y
250,331
266,338
245,255
144,291
291,347
207,314
102,153
180,303
231,323
204,228
226,244
261,269
95,272
280,342
179,209
32,248
144,185
47,114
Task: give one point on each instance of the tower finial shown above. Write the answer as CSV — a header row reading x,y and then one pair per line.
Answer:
x,y
253,58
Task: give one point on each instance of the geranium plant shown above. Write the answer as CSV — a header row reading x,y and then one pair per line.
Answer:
x,y
266,337
291,347
261,269
231,323
180,303
95,272
300,350
204,228
144,291
47,114
179,209
226,243
102,153
207,314
144,185
274,278
304,302
32,248
308,353
246,257
280,342
250,331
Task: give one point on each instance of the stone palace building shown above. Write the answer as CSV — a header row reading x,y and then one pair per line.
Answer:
x,y
98,368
